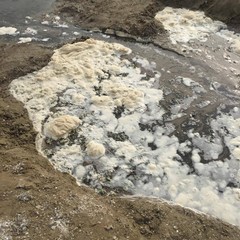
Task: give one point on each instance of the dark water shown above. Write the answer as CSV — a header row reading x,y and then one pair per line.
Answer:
x,y
14,11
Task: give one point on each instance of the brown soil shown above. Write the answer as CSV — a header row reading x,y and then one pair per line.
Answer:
x,y
38,202
136,17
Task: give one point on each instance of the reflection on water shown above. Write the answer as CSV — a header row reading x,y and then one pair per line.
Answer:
x,y
13,11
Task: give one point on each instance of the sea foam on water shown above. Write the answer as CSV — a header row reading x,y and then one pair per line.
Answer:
x,y
93,110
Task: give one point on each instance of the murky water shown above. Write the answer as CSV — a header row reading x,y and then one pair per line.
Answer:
x,y
15,11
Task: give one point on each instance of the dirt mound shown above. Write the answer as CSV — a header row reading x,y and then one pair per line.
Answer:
x,y
38,202
136,17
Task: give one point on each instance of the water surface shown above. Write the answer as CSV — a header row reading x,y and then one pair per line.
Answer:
x,y
14,11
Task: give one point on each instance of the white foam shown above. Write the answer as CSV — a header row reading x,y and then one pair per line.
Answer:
x,y
8,31
232,38
185,25
95,150
44,39
61,25
30,31
6,229
60,127
188,82
121,115
235,46
25,39
203,104
45,22
57,18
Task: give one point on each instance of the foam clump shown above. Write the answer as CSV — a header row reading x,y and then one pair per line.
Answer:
x,y
236,153
80,171
127,150
234,145
101,100
95,150
8,31
123,95
30,31
235,46
185,25
25,40
61,126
